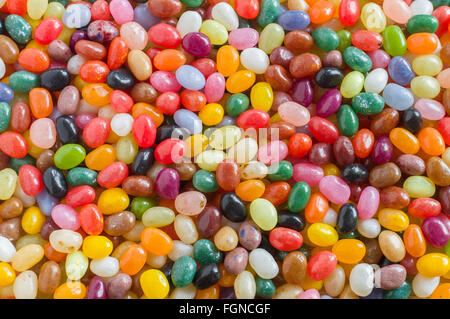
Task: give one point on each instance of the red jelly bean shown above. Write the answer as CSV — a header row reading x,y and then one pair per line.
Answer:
x,y
170,151
30,179
144,130
285,239
168,102
13,144
80,196
193,100
363,142
112,175
299,145
443,15
205,65
323,130
444,128
253,119
18,7
48,30
117,53
321,265
91,219
247,9
94,72
96,132
100,10
164,35
348,12
120,101
424,207
367,40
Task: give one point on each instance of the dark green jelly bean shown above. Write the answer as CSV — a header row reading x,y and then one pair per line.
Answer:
x,y
167,271
412,120
306,250
281,255
422,23
55,79
268,12
207,276
205,181
351,235
140,204
394,41
66,129
63,2
54,181
192,3
183,271
345,39
233,208
325,38
402,292
292,221
18,28
264,288
436,3
299,197
355,173
236,104
2,26
347,120
78,176
23,81
17,163
357,59
347,219
244,23
143,161
280,171
205,252
328,77
5,116
368,103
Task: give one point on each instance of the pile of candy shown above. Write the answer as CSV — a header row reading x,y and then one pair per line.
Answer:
x,y
225,149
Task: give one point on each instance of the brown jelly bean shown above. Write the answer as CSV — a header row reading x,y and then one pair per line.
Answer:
x,y
10,208
394,197
120,223
185,170
294,267
118,286
321,154
164,8
278,77
444,198
10,228
304,65
20,117
228,175
343,151
138,185
144,92
90,50
384,122
438,171
281,130
44,160
373,251
299,41
410,164
384,175
209,221
9,51
281,56
49,277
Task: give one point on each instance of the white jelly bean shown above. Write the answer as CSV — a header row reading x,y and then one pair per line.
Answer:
x,y
26,285
105,267
180,249
7,249
187,292
225,14
245,286
362,279
121,124
189,21
369,228
65,240
263,263
376,80
423,286
255,60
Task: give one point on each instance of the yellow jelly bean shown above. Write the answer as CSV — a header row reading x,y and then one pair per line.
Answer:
x,y
126,149
352,84
373,17
97,247
263,213
331,169
307,283
100,157
393,219
429,64
8,183
240,81
33,150
195,144
54,10
27,256
154,284
419,186
261,96
32,220
227,60
65,34
36,8
349,251
113,200
322,235
211,114
208,160
425,86
7,274
215,31
271,36
34,45
433,265
225,137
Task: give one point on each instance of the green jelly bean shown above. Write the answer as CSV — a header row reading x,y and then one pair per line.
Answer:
x,y
68,156
347,120
205,181
23,81
306,250
244,23
368,103
299,197
183,271
236,104
402,292
264,288
345,39
394,41
205,252
192,3
82,176
352,235
5,116
422,23
325,38
76,265
280,171
63,2
17,163
268,12
140,204
447,248
18,28
357,59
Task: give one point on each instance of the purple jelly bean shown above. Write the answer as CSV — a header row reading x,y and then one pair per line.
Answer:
x,y
400,70
382,150
380,59
76,36
329,103
197,44
144,17
96,288
435,231
302,92
167,183
47,228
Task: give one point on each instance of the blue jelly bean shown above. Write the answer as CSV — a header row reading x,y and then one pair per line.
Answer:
x,y
400,70
293,20
188,120
76,16
398,97
190,78
46,202
227,121
144,17
6,93
377,293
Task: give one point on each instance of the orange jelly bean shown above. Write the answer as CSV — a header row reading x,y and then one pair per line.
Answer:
x,y
321,11
100,157
133,259
431,141
41,103
363,142
96,94
169,60
404,140
156,241
227,60
70,290
414,240
144,108
422,43
250,190
277,193
317,208
34,60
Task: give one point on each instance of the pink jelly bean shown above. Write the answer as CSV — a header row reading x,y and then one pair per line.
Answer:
x,y
294,113
430,109
65,217
309,294
368,202
43,133
272,152
380,59
121,10
335,189
164,81
214,87
307,172
243,38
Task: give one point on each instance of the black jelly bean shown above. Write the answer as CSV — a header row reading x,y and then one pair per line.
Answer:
x,y
292,221
328,77
67,129
143,161
55,79
347,219
412,120
355,173
120,79
207,276
233,208
54,181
